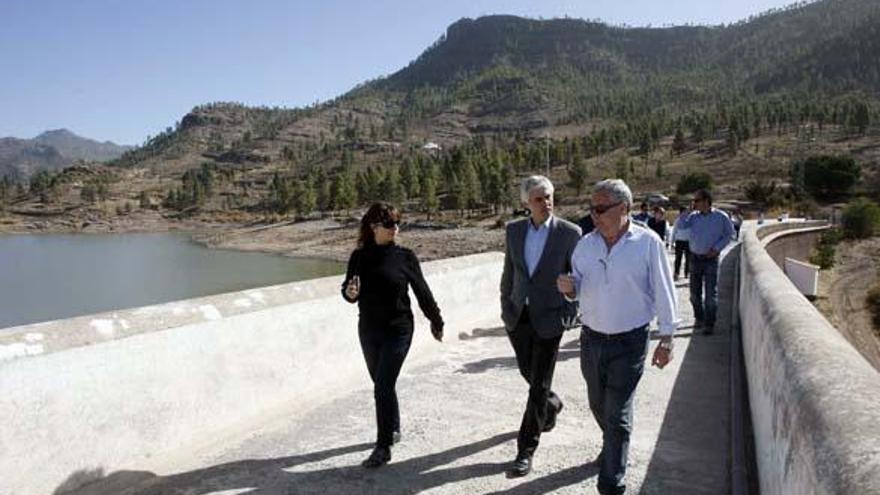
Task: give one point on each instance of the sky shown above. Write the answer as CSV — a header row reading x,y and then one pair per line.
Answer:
x,y
121,70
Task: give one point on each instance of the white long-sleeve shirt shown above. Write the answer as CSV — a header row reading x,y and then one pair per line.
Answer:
x,y
625,287
680,232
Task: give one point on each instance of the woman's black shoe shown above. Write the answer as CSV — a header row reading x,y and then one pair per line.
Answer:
x,y
380,456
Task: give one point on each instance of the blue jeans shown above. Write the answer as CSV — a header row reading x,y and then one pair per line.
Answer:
x,y
704,274
612,367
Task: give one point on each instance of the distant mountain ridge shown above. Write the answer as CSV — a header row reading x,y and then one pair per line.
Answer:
x,y
52,150
509,75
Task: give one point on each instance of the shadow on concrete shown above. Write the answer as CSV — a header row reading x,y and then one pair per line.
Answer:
x,y
568,350
485,365
678,335
278,476
692,451
555,481
478,333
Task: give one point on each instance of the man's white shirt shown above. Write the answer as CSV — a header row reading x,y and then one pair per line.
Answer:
x,y
624,288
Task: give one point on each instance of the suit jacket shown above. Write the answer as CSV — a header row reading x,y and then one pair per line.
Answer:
x,y
547,307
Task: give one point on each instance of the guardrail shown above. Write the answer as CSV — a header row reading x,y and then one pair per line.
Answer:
x,y
815,400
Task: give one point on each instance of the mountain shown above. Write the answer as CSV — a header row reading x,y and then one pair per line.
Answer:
x,y
75,147
52,150
505,75
21,158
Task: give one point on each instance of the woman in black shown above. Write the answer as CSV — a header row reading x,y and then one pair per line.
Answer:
x,y
379,272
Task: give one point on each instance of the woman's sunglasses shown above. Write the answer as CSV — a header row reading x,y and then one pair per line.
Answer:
x,y
390,224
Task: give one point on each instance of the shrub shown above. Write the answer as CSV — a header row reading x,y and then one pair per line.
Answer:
x,y
826,176
872,300
693,181
861,219
759,191
823,256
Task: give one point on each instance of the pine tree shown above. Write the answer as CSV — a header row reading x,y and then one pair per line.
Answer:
x,y
678,143
409,177
343,194
322,190
305,197
471,186
861,117
430,203
392,188
577,174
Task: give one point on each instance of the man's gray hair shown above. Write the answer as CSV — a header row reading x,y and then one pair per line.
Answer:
x,y
615,188
534,182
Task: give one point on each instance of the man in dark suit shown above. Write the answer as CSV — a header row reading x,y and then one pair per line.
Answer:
x,y
538,250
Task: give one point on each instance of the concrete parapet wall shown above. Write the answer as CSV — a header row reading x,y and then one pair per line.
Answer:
x,y
123,389
781,243
815,401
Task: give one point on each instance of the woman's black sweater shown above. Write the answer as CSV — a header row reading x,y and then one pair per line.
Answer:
x,y
383,301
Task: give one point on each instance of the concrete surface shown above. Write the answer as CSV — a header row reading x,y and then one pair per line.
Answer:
x,y
814,398
133,386
460,410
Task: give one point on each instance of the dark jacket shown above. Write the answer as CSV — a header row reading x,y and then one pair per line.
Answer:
x,y
547,307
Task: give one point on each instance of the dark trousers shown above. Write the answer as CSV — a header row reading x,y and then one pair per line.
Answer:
x,y
682,250
384,355
612,367
536,359
704,275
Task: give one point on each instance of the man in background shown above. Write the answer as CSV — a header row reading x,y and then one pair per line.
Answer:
x,y
710,231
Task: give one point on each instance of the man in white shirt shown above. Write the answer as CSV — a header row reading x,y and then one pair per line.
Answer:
x,y
622,279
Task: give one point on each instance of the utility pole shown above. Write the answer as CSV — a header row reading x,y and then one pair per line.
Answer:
x,y
547,154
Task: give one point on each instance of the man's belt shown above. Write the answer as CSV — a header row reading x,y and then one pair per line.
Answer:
x,y
614,336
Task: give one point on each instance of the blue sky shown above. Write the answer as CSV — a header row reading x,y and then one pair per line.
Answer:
x,y
121,70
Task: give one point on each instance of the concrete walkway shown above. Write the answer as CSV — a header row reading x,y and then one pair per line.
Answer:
x,y
460,413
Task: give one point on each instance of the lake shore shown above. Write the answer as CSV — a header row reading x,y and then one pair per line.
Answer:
x,y
331,238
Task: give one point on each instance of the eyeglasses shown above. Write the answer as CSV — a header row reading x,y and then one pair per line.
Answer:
x,y
390,224
600,209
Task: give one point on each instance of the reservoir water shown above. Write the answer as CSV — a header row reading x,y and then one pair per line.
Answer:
x,y
48,277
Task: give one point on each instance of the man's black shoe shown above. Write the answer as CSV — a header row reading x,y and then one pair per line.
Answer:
x,y
551,419
521,466
379,457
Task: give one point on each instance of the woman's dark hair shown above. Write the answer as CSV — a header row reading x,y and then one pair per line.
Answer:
x,y
377,213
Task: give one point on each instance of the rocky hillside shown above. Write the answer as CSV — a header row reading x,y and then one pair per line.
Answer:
x,y
499,97
504,75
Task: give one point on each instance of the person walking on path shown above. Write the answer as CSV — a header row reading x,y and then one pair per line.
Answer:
x,y
710,231
737,219
378,275
642,216
621,277
538,249
657,223
680,239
